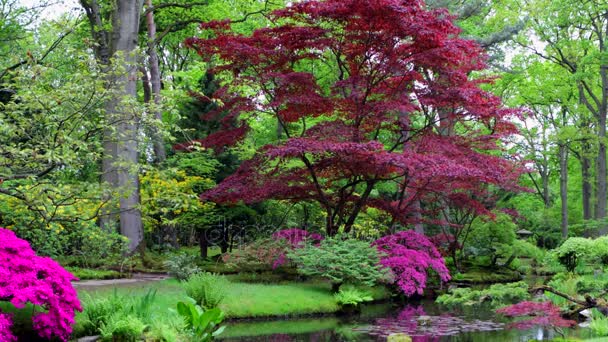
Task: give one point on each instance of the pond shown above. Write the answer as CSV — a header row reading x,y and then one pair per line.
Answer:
x,y
423,320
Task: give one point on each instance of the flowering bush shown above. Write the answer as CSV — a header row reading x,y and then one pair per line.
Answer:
x,y
409,255
296,238
259,254
26,277
542,313
271,252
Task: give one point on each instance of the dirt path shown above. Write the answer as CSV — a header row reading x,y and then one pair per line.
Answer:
x,y
136,278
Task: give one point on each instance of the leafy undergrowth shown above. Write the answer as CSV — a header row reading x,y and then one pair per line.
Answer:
x,y
486,276
89,273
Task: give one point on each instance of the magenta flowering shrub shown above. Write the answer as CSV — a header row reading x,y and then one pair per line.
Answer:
x,y
5,328
409,256
296,238
26,277
544,314
259,254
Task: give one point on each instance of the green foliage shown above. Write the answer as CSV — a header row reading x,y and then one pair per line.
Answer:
x,y
496,295
116,314
207,289
340,261
122,328
203,324
352,296
566,283
182,266
169,197
87,273
599,325
492,238
574,251
258,255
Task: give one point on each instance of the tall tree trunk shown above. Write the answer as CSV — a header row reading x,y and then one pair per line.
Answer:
x,y
159,145
600,205
563,186
586,185
418,225
203,243
121,156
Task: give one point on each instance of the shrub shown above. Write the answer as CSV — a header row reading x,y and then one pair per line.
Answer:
x,y
409,256
116,314
122,328
340,261
28,278
352,296
599,326
182,266
98,311
496,295
203,324
295,238
262,254
573,251
207,289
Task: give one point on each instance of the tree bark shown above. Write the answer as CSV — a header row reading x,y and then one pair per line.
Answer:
x,y
563,186
586,183
121,156
159,146
203,243
600,206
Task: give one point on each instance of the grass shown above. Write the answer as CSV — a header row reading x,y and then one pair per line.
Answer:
x,y
247,300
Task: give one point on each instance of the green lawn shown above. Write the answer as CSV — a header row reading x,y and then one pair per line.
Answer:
x,y
245,299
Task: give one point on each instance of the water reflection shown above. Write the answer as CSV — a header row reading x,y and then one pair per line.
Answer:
x,y
423,321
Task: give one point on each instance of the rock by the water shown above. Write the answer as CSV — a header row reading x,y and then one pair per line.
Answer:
x,y
398,337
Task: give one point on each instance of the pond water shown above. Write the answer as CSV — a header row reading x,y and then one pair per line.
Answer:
x,y
424,321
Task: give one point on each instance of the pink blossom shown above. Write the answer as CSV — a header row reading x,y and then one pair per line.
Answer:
x,y
539,313
28,278
409,255
296,238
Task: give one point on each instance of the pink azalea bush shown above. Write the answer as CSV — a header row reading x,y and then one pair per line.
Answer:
x,y
409,256
28,278
544,314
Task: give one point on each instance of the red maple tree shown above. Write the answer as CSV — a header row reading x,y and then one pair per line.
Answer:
x,y
375,104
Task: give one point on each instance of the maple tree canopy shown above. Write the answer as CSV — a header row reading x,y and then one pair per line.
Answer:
x,y
376,105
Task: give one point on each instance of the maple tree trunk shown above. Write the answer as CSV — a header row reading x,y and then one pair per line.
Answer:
x,y
418,226
159,145
563,187
358,206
